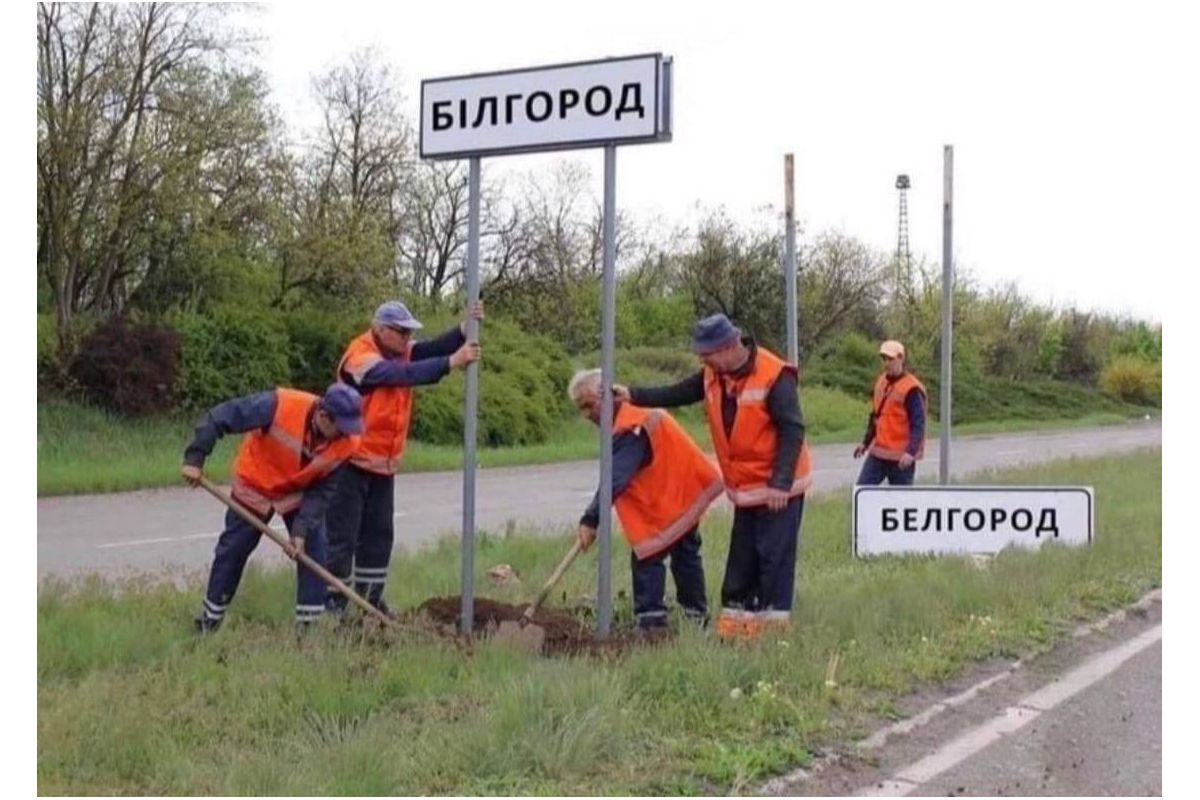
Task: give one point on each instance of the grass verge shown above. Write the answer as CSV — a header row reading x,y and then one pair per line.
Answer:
x,y
130,702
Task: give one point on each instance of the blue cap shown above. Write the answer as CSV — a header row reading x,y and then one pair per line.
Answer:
x,y
395,314
344,404
714,333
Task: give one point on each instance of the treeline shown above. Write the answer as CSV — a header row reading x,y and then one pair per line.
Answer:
x,y
183,227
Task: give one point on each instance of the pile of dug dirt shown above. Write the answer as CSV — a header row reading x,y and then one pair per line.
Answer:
x,y
565,634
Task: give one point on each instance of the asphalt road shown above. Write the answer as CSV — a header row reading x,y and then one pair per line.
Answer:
x,y
1084,719
1105,741
161,530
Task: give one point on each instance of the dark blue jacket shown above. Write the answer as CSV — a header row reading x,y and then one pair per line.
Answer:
x,y
429,364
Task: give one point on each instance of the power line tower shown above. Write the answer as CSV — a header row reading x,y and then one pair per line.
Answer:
x,y
903,254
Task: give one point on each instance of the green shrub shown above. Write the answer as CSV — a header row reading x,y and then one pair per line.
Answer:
x,y
230,353
316,341
653,321
1133,380
647,366
522,390
850,363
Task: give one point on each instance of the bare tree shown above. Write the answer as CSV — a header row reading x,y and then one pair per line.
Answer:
x,y
432,231
840,276
337,222
114,82
363,146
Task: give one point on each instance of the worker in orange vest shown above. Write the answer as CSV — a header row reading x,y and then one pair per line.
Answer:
x,y
751,398
662,485
289,462
895,437
384,364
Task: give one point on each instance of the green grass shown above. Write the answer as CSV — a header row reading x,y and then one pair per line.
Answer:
x,y
130,702
83,449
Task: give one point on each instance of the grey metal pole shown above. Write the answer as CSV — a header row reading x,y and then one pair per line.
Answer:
x,y
789,201
608,316
471,407
947,311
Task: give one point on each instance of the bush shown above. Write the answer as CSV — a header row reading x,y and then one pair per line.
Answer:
x,y
129,368
1133,380
230,353
653,321
316,342
522,391
850,363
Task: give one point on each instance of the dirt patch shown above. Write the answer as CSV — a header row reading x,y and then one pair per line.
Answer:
x,y
565,634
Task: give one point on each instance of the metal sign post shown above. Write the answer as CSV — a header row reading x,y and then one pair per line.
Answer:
x,y
607,345
566,106
471,407
947,312
789,262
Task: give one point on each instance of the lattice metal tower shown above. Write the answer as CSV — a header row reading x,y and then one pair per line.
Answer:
x,y
903,254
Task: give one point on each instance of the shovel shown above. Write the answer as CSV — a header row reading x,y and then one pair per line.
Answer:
x,y
522,632
303,558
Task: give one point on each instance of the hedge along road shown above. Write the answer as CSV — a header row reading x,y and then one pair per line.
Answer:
x,y
161,531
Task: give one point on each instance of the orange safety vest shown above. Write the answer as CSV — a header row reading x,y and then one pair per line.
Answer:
x,y
747,455
891,417
667,497
387,410
273,467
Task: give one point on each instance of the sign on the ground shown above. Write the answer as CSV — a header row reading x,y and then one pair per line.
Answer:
x,y
585,104
969,519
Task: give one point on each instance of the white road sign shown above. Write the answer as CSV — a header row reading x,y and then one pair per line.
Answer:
x,y
969,519
585,104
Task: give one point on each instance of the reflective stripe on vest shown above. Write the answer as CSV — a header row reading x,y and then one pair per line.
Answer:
x,y
273,468
757,495
747,454
668,496
387,410
250,497
892,425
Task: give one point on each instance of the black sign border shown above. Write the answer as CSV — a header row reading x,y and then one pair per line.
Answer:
x,y
1090,492
663,135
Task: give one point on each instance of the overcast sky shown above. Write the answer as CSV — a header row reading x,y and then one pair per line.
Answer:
x,y
1073,127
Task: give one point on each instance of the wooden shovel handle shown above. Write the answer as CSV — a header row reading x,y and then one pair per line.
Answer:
x,y
554,577
303,558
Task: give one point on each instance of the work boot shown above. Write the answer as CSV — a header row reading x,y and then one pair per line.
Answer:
x,y
205,624
730,626
753,628
776,623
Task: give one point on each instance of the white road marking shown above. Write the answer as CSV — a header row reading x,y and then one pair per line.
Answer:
x,y
1013,718
880,737
782,784
167,539
189,537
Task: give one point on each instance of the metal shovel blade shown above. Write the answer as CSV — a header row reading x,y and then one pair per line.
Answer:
x,y
530,637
